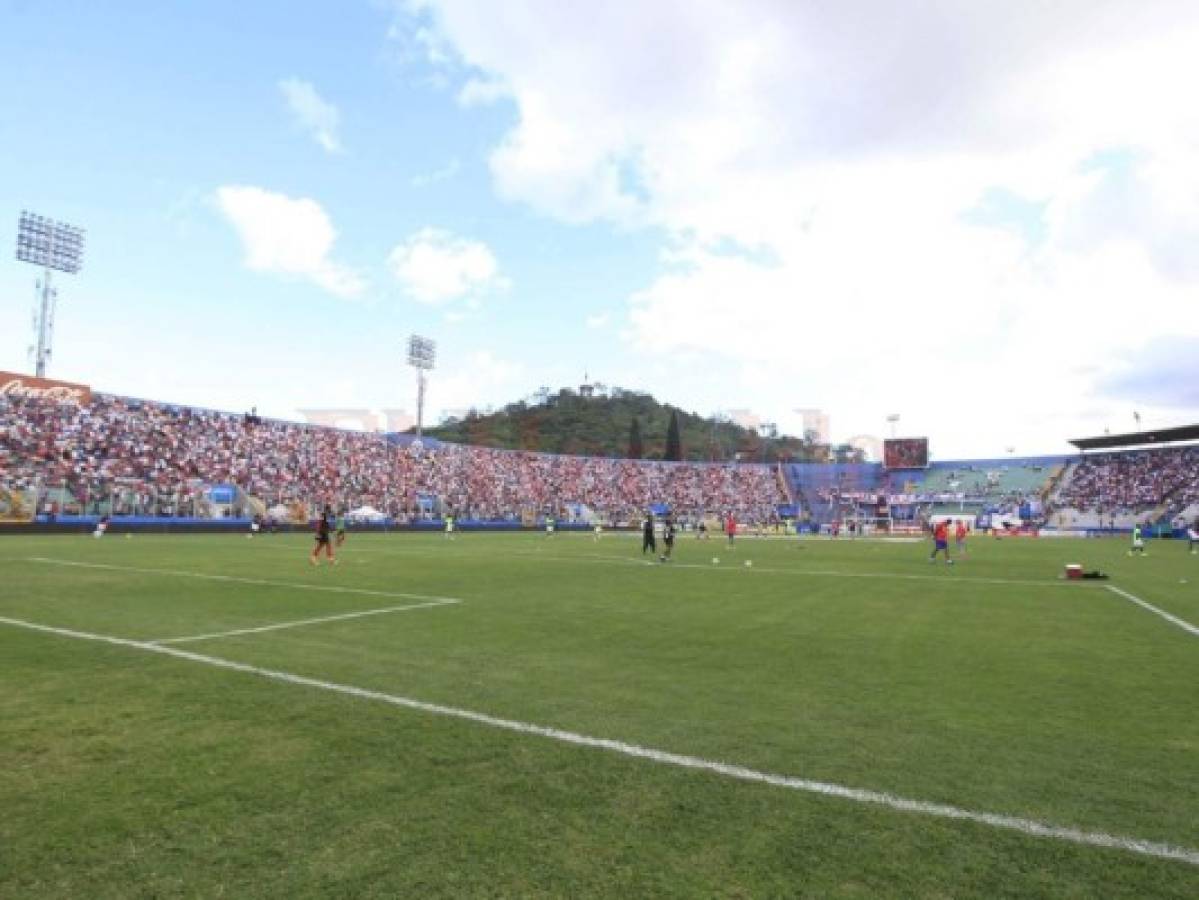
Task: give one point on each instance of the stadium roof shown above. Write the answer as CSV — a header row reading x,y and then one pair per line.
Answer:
x,y
1139,438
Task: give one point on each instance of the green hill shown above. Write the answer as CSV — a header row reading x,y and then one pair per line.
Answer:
x,y
598,422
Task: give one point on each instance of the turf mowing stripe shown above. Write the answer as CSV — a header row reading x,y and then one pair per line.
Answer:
x,y
1181,623
300,622
1028,827
179,573
605,559
818,573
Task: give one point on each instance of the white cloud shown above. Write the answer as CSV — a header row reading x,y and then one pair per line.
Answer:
x,y
449,170
434,266
598,320
480,379
313,113
288,236
812,177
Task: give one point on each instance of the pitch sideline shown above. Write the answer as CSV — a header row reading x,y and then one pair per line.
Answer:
x,y
1028,827
1169,617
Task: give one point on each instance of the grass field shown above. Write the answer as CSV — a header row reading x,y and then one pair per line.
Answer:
x,y
583,723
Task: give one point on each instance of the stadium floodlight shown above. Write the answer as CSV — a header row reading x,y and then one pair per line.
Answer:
x,y
422,354
55,246
893,418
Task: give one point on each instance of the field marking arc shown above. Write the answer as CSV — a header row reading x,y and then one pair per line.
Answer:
x,y
1024,826
296,585
1169,617
318,620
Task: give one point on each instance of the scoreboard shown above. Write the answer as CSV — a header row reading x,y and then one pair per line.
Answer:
x,y
905,453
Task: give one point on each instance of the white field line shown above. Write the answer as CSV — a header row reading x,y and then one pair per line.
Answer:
x,y
295,585
1029,827
605,559
1174,620
820,573
301,622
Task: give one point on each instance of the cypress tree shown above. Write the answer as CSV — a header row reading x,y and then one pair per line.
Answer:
x,y
674,446
636,448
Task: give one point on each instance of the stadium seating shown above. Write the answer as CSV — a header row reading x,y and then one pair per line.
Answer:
x,y
1164,482
136,457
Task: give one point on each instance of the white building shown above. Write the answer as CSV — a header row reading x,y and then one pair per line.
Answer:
x,y
816,420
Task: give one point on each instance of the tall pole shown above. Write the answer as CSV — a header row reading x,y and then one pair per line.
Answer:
x,y
45,325
420,401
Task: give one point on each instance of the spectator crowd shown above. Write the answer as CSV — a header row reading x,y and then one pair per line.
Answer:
x,y
164,457
1133,482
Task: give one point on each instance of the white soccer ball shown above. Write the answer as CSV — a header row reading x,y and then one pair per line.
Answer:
x,y
96,534
748,563
715,561
128,536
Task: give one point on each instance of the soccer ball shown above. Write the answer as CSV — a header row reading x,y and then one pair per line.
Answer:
x,y
715,561
748,563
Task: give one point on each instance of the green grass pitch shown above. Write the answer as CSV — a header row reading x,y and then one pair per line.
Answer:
x,y
992,687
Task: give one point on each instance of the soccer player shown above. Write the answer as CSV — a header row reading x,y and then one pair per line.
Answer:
x,y
648,542
959,535
549,526
940,542
449,527
598,531
341,528
1138,541
322,539
730,528
667,539
1193,537
701,533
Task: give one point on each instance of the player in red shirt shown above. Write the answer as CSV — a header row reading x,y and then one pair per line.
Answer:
x,y
959,535
730,528
940,542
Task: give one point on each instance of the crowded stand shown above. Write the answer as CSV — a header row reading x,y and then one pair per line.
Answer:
x,y
158,459
1131,482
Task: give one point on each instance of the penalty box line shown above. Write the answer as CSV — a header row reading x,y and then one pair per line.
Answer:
x,y
295,585
1029,827
278,626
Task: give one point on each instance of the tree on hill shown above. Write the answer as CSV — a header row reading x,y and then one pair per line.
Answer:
x,y
605,424
674,446
636,446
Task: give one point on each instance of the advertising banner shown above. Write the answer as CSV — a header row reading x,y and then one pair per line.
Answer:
x,y
14,385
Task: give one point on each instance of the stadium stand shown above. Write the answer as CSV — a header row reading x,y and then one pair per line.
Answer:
x,y
134,457
991,480
1118,487
818,485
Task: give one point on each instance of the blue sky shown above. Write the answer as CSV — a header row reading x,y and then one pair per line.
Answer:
x,y
761,207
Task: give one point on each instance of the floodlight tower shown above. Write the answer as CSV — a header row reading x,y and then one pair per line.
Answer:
x,y
893,419
422,353
53,246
